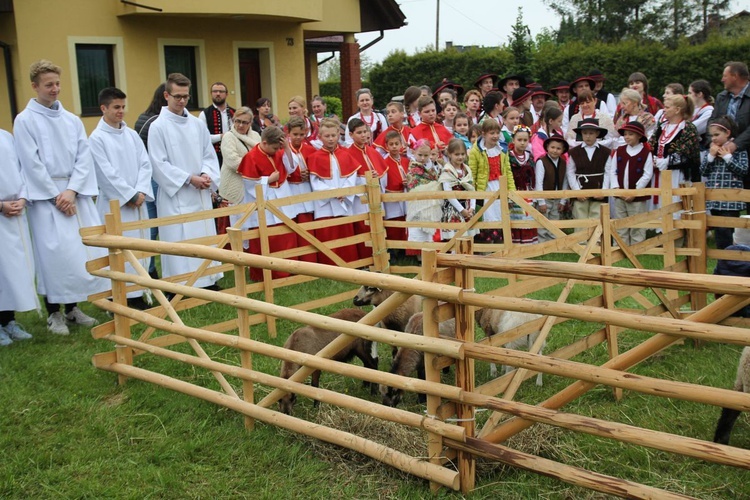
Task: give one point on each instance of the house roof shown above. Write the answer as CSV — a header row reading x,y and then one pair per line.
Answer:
x,y
377,15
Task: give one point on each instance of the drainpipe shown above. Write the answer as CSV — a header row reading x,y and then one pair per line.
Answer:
x,y
9,78
380,37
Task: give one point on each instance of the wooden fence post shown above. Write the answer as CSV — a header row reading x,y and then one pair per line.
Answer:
x,y
243,326
697,264
265,249
608,289
113,225
376,214
465,369
667,224
432,373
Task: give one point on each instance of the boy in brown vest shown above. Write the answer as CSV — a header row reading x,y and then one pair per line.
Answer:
x,y
589,167
550,172
634,167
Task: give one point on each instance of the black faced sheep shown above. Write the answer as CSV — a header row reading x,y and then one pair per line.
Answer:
x,y
310,340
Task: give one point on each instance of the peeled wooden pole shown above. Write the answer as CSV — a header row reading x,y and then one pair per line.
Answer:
x,y
159,296
308,360
389,456
569,474
345,401
618,275
611,377
608,289
521,374
113,221
361,329
716,311
243,323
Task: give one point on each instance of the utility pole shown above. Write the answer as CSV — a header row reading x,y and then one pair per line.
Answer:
x,y
437,27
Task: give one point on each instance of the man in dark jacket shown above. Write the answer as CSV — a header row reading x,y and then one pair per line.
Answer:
x,y
734,101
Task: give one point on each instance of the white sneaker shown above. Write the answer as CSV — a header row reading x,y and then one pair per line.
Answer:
x,y
4,338
77,317
16,332
56,324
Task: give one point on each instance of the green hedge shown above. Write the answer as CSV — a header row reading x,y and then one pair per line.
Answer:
x,y
552,63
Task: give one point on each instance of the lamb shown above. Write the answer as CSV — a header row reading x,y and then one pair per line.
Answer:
x,y
494,321
310,340
729,416
398,318
406,360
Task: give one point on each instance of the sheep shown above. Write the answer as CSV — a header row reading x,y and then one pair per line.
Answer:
x,y
728,415
399,317
494,321
310,340
406,360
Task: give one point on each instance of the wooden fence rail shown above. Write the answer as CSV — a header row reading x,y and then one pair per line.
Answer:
x,y
446,282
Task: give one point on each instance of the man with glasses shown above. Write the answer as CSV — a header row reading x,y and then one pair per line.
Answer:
x,y
734,102
185,168
217,116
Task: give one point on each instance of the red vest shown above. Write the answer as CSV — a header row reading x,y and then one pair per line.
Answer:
x,y
256,164
319,163
368,158
396,174
635,165
432,133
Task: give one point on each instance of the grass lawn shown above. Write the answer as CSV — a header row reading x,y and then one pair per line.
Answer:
x,y
68,430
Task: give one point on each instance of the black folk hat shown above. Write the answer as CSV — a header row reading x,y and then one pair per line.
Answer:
x,y
634,126
590,124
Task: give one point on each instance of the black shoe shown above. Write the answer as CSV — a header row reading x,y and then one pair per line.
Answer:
x,y
213,288
154,274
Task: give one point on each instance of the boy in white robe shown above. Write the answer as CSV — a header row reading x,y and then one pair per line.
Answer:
x,y
123,171
17,291
185,167
56,164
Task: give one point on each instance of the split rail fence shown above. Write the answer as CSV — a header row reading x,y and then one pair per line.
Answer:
x,y
670,303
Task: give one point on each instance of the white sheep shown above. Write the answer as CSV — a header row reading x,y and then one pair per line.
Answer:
x,y
494,321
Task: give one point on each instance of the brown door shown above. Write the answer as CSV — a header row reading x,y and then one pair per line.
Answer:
x,y
250,76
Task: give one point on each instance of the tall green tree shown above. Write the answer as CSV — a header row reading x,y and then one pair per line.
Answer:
x,y
521,45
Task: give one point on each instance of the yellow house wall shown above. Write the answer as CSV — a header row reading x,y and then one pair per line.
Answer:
x,y
140,40
339,16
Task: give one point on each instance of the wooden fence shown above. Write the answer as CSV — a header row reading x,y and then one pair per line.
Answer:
x,y
671,303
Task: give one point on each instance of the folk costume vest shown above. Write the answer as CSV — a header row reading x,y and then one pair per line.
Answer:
x,y
590,173
634,164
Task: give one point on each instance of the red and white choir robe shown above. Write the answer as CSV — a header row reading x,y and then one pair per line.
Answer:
x,y
407,140
435,134
179,147
123,170
255,168
17,292
328,171
54,154
369,160
299,187
396,210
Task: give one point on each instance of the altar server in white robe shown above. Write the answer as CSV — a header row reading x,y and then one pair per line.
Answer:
x,y
123,171
56,164
17,291
185,167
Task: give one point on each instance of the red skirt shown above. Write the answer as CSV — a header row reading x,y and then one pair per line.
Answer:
x,y
302,242
396,233
276,243
347,253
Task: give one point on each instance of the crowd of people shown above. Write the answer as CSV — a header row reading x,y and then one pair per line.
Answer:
x,y
505,132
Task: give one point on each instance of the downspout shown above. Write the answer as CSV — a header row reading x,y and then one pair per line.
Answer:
x,y
380,37
10,80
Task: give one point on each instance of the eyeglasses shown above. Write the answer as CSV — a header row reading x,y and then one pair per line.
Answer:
x,y
180,97
218,91
241,122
